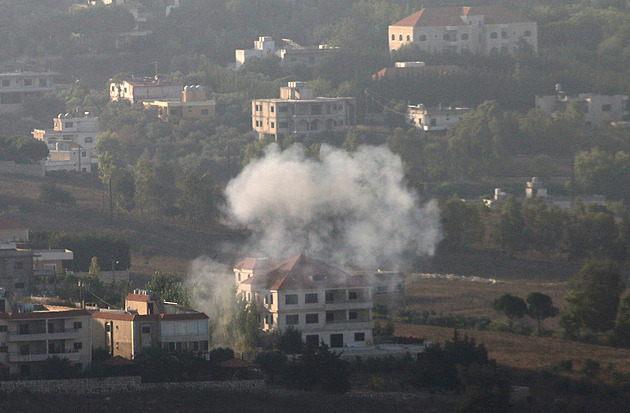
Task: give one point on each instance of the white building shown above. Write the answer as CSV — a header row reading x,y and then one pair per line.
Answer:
x,y
434,119
263,47
20,87
71,143
144,89
479,29
321,301
596,109
291,54
32,333
299,112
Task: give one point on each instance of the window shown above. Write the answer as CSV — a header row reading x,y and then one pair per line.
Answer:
x,y
19,285
606,108
3,329
336,340
89,140
68,125
271,299
205,345
393,38
359,336
408,38
272,109
28,82
108,327
330,317
352,295
283,109
330,296
146,329
400,37
292,319
7,82
78,346
527,33
77,325
310,298
4,348
43,83
290,299
312,318
195,346
422,38
504,35
24,350
465,36
273,125
494,35
381,289
83,154
352,315
205,111
18,265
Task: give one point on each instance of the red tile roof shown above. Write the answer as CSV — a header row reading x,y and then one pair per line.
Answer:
x,y
6,223
138,297
48,314
301,273
250,264
452,16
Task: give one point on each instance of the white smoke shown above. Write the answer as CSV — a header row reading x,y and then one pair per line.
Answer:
x,y
345,208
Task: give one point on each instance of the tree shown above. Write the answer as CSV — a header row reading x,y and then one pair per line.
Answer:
x,y
291,342
511,226
170,286
462,223
593,298
106,171
513,307
540,307
94,269
485,389
243,329
621,331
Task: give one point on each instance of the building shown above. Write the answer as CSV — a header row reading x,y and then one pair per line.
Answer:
x,y
388,290
32,333
16,270
299,112
291,55
147,321
321,301
12,232
192,105
434,119
409,70
144,89
478,29
21,87
71,143
597,110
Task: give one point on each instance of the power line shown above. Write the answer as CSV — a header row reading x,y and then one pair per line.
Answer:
x,y
384,105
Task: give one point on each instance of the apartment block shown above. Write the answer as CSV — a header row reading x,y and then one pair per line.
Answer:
x,y
31,333
144,89
147,321
434,119
321,301
478,29
597,110
20,87
299,112
192,105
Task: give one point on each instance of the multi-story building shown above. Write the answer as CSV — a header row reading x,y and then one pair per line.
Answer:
x,y
144,89
30,334
321,301
291,54
16,270
20,87
71,143
299,112
388,290
192,105
478,29
263,47
596,109
148,321
434,119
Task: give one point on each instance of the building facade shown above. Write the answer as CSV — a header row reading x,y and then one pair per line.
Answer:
x,y
30,334
299,112
71,143
21,87
291,55
144,89
321,301
192,105
147,321
597,110
16,270
434,119
479,29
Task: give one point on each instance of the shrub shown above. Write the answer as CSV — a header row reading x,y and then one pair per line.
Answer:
x,y
52,194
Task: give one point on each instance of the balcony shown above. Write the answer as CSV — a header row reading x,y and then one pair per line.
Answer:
x,y
349,304
41,334
27,358
348,325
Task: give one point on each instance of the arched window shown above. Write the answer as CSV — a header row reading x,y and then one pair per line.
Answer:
x,y
422,38
400,37
393,37
465,36
494,35
408,39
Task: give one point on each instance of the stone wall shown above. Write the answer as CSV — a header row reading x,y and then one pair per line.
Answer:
x,y
10,167
121,384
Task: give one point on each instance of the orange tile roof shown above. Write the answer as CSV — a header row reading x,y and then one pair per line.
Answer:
x,y
47,314
138,297
452,16
250,264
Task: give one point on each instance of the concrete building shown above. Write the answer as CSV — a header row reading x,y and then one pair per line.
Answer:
x,y
144,89
12,232
299,112
31,333
291,54
478,29
408,70
321,301
147,321
263,47
20,87
388,290
16,270
597,110
71,143
434,119
192,105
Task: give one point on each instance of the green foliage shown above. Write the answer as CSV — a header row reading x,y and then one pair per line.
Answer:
x,y
621,331
157,365
320,369
94,269
462,223
486,390
540,307
52,194
170,286
243,328
219,354
511,226
290,341
273,364
593,299
601,172
58,368
22,149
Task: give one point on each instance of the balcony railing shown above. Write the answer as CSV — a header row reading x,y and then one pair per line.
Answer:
x,y
24,358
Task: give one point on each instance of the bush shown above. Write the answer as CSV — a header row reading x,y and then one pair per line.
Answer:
x,y
591,368
51,194
485,389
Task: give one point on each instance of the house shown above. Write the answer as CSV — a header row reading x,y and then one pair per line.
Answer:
x,y
144,89
147,321
299,112
434,119
12,232
16,270
20,87
71,143
409,70
291,54
192,105
597,110
323,302
32,333
388,290
478,29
